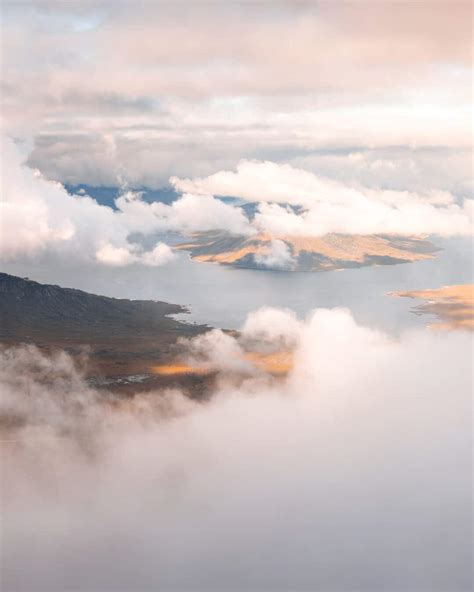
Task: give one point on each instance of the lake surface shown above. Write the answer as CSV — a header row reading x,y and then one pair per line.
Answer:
x,y
222,296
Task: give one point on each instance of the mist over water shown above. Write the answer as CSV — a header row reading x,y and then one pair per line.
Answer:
x,y
353,473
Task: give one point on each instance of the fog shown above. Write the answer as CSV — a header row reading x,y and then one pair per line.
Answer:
x,y
352,473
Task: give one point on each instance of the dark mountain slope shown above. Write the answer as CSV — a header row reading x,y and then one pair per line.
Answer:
x,y
27,307
123,337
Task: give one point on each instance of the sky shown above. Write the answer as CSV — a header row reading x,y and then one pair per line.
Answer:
x,y
371,92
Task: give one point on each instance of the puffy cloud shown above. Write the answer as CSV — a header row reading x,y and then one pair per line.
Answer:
x,y
352,473
111,255
332,206
276,256
282,183
272,326
216,350
190,213
26,222
39,215
368,216
119,256
160,254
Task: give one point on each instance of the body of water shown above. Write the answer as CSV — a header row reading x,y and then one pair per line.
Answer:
x,y
222,296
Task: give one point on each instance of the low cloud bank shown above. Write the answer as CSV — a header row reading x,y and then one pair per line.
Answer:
x,y
353,473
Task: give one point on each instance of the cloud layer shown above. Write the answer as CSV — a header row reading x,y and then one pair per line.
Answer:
x,y
151,92
332,206
353,473
38,215
365,127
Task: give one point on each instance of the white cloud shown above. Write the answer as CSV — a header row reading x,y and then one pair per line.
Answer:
x,y
331,206
26,222
111,255
215,350
119,256
352,473
276,256
267,181
272,326
159,255
189,213
38,215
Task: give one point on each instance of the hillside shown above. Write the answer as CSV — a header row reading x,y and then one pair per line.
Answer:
x,y
122,337
29,308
